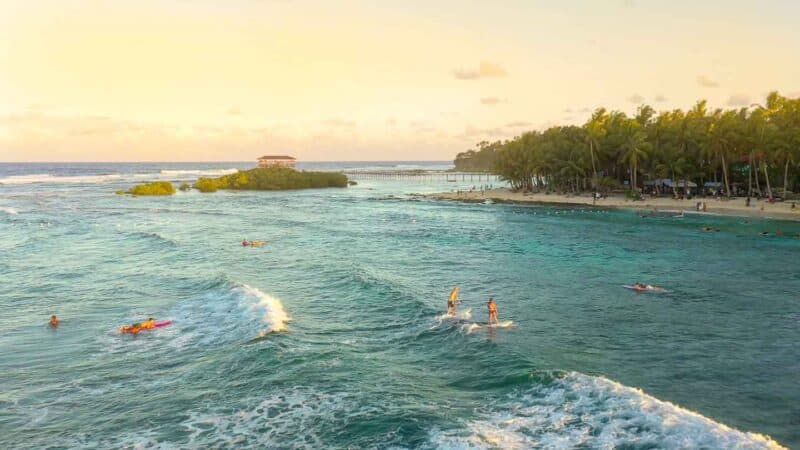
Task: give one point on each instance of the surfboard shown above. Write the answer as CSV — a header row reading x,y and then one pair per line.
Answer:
x,y
478,325
637,289
163,323
454,294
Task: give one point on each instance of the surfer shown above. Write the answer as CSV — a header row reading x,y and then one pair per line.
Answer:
x,y
135,328
492,311
53,321
452,300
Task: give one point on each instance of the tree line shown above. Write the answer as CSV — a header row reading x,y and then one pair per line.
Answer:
x,y
747,148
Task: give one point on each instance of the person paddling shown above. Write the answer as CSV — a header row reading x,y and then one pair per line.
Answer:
x,y
492,311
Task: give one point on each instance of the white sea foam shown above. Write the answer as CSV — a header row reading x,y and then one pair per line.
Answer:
x,y
198,172
46,178
593,412
268,307
56,179
288,419
9,210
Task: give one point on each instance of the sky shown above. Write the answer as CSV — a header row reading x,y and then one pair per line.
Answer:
x,y
201,80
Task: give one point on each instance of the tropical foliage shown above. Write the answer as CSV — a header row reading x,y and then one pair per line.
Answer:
x,y
272,179
481,160
745,149
155,188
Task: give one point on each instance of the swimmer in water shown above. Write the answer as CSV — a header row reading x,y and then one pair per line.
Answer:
x,y
53,321
492,306
245,243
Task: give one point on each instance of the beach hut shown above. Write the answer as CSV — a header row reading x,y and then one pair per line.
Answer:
x,y
276,161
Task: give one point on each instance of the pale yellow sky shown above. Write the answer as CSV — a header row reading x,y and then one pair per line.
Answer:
x,y
197,80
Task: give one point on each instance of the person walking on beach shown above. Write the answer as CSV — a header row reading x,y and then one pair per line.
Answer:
x,y
53,321
492,311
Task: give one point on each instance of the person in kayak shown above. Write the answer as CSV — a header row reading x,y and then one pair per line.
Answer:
x,y
53,321
492,311
148,324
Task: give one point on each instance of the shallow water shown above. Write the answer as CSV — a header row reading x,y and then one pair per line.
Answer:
x,y
332,334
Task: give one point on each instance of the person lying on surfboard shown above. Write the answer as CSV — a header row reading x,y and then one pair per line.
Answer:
x,y
148,324
492,311
646,287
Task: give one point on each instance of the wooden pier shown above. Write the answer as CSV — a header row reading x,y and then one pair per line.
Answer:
x,y
421,175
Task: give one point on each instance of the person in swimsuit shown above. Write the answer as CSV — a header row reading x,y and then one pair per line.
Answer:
x,y
492,311
451,307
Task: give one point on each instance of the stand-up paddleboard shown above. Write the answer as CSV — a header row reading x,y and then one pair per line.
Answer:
x,y
647,289
478,325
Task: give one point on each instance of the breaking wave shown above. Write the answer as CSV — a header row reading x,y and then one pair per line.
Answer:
x,y
56,179
576,410
269,308
198,172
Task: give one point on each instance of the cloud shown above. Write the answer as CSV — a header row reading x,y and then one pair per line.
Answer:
x,y
738,100
705,81
491,100
636,98
339,123
518,124
485,70
660,98
471,131
235,111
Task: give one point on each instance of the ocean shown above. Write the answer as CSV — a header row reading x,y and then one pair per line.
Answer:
x,y
333,334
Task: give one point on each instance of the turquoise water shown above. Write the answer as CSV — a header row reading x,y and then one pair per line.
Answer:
x,y
332,334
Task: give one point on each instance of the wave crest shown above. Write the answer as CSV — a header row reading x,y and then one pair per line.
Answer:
x,y
579,410
270,308
54,179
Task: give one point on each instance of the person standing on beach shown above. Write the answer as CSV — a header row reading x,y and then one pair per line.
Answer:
x,y
492,311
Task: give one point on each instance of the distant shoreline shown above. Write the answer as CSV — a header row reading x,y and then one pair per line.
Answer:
x,y
735,207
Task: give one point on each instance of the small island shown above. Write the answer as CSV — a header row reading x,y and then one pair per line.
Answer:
x,y
272,179
154,188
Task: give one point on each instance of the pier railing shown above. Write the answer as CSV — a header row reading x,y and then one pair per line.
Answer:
x,y
419,175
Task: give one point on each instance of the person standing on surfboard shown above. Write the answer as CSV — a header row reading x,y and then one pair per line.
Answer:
x,y
451,302
492,311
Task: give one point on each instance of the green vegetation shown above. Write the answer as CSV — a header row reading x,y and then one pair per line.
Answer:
x,y
270,179
155,188
484,159
741,150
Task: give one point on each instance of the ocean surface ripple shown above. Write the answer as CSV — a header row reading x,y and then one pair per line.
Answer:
x,y
333,334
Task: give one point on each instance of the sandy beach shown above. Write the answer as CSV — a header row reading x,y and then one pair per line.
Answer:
x,y
733,207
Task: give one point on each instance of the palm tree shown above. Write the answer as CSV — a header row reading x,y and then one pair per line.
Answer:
x,y
595,131
634,149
